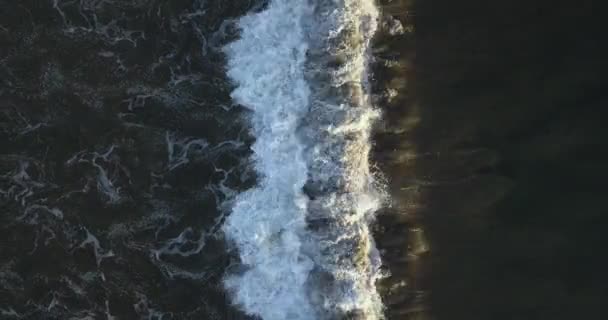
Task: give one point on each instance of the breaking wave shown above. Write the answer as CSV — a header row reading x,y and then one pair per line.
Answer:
x,y
303,232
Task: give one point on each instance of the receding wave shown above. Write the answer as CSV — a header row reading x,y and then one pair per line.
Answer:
x,y
302,233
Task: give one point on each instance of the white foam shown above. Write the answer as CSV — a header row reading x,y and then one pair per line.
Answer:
x,y
267,222
312,121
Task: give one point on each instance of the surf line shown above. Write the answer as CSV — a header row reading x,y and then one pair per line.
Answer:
x,y
302,233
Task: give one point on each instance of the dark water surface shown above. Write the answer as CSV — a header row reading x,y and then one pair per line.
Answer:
x,y
119,145
499,153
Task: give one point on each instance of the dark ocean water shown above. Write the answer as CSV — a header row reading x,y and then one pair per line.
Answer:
x,y
119,143
121,150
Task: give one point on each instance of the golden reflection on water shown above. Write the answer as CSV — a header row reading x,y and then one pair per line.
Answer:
x,y
402,238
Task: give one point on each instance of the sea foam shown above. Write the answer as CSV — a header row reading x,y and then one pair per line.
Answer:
x,y
302,233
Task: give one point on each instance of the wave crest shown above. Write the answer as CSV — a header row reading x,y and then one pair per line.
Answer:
x,y
302,233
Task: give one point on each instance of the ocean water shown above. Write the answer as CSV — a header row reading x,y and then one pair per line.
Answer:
x,y
302,159
190,160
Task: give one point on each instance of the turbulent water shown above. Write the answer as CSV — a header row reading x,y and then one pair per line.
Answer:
x,y
188,159
210,159
302,233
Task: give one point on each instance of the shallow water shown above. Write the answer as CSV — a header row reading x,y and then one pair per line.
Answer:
x,y
495,148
